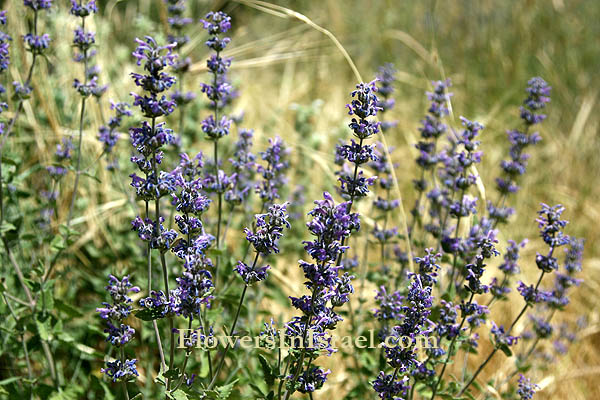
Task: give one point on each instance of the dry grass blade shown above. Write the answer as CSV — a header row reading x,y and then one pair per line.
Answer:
x,y
279,10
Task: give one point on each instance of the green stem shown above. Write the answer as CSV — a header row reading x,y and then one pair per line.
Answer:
x,y
478,371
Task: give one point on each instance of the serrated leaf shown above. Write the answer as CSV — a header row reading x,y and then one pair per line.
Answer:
x,y
65,337
43,329
7,226
267,370
225,391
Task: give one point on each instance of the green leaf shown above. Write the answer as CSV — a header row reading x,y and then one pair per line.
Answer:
x,y
178,395
7,226
6,159
225,391
257,390
58,243
65,337
43,328
137,397
505,349
267,370
67,231
67,308
10,380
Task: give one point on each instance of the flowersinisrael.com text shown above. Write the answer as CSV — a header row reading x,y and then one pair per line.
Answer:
x,y
282,341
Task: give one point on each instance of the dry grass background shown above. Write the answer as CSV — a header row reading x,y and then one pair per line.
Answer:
x,y
488,48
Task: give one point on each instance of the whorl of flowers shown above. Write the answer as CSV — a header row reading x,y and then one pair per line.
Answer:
x,y
538,94
5,40
119,334
153,103
330,225
83,41
550,226
244,166
509,267
389,309
432,128
385,87
526,389
35,43
108,134
149,138
273,174
177,22
269,228
364,105
37,5
413,322
217,23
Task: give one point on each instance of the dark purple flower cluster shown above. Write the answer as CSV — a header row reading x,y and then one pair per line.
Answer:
x,y
563,281
538,93
446,324
177,22
219,90
476,269
501,337
432,128
509,267
268,229
195,285
312,379
244,166
79,9
399,346
526,389
274,173
385,87
83,41
331,224
36,5
364,104
389,387
108,134
155,58
149,138
34,42
389,306
5,40
119,334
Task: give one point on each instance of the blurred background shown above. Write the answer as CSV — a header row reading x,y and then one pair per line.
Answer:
x,y
294,81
